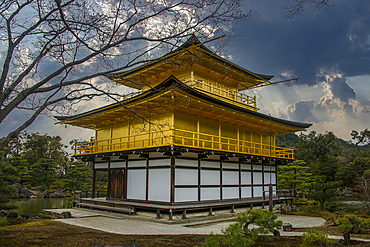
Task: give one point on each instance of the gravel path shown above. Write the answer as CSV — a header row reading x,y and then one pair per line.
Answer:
x,y
137,227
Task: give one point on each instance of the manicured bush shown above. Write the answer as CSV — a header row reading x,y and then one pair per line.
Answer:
x,y
239,234
333,207
350,223
314,238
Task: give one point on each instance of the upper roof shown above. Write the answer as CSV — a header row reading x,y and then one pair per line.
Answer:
x,y
181,88
192,42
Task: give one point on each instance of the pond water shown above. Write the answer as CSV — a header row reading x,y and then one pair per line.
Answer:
x,y
33,206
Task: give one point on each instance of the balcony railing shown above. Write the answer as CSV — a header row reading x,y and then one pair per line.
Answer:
x,y
231,95
182,138
219,92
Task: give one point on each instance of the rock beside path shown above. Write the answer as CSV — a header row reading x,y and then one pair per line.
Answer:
x,y
25,193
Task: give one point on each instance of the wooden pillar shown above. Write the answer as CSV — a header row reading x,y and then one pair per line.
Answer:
x,y
270,198
172,192
184,214
221,196
198,129
93,181
147,179
170,214
240,179
126,178
219,134
199,169
252,182
109,180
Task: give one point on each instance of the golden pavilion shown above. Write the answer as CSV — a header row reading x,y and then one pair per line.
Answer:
x,y
188,137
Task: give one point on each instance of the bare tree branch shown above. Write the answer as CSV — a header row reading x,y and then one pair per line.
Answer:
x,y
299,6
57,51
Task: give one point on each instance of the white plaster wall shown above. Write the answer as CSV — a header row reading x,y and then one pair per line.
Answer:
x,y
273,178
246,166
120,164
230,192
246,178
267,177
136,184
257,167
230,165
246,192
159,185
186,176
257,191
208,177
186,194
213,164
273,190
209,194
137,163
184,162
101,165
257,177
230,178
160,162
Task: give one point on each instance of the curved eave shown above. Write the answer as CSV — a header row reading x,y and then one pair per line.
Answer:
x,y
174,82
188,44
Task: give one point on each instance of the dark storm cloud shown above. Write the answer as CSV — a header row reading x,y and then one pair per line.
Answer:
x,y
334,37
340,89
302,111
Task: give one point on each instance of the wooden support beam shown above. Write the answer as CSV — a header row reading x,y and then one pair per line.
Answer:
x,y
170,214
184,214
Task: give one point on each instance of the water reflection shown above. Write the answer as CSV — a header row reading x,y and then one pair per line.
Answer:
x,y
33,206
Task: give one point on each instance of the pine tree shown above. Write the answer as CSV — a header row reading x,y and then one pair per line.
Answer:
x,y
8,176
294,176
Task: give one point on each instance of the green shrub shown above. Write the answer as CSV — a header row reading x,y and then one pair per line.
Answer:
x,y
333,207
350,223
68,195
3,222
314,238
239,234
234,236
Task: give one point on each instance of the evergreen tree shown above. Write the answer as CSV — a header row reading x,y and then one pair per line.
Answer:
x,y
294,176
8,176
38,146
78,175
323,190
25,177
287,140
321,152
44,173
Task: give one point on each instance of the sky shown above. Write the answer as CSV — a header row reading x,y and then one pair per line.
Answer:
x,y
329,49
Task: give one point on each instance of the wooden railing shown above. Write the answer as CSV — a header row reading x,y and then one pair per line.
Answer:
x,y
219,92
225,93
182,138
